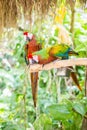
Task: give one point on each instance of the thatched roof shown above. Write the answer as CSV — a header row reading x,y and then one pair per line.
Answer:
x,y
12,10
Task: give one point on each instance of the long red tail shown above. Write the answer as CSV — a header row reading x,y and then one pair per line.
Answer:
x,y
34,85
74,77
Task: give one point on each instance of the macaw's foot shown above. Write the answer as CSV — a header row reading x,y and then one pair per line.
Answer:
x,y
34,62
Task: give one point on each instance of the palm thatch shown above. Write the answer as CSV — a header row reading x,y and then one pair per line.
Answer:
x,y
83,1
12,10
72,2
8,12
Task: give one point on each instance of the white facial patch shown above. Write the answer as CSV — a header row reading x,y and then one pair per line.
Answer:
x,y
30,61
30,36
35,58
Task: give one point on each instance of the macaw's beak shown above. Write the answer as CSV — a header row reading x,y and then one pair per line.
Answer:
x,y
28,36
28,39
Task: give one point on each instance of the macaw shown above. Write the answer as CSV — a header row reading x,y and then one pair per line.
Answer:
x,y
41,57
31,47
59,51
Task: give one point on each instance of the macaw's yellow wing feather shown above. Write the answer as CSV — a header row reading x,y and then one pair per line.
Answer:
x,y
59,50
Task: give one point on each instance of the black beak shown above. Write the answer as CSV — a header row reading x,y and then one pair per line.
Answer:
x,y
28,39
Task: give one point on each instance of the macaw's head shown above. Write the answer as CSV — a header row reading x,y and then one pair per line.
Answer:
x,y
33,59
28,36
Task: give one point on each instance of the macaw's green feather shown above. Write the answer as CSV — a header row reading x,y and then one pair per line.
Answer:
x,y
44,53
60,50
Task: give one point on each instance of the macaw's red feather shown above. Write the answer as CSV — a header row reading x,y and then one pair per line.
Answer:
x,y
25,33
34,84
30,56
75,79
46,61
31,47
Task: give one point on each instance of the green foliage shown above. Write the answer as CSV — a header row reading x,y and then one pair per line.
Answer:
x,y
68,112
43,122
61,112
16,105
81,33
79,108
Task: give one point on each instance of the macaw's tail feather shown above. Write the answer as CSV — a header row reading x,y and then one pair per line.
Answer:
x,y
74,77
73,53
34,85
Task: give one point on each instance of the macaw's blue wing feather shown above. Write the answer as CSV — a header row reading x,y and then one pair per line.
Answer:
x,y
60,50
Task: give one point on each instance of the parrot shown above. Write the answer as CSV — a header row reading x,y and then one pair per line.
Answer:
x,y
32,46
59,51
65,51
41,57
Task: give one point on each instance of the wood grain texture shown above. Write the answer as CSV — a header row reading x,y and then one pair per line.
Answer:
x,y
59,64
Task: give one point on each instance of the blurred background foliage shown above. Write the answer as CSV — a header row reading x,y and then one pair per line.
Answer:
x,y
61,106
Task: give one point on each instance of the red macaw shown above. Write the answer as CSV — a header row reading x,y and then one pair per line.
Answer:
x,y
31,47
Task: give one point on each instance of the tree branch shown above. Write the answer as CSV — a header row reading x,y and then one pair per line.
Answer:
x,y
59,64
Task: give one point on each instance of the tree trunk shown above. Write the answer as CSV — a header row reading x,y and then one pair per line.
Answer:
x,y
86,82
84,123
72,4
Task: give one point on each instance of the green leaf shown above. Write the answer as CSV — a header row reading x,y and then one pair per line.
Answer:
x,y
11,126
43,122
79,108
58,111
85,26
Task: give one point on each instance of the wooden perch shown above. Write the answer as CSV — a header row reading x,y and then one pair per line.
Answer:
x,y
59,64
